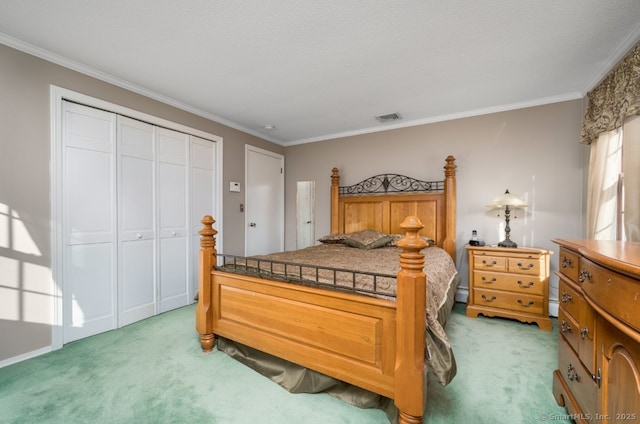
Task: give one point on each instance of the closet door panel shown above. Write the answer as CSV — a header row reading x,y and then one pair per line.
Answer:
x,y
136,225
172,217
88,221
203,159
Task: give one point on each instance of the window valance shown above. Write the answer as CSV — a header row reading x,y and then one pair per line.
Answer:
x,y
616,98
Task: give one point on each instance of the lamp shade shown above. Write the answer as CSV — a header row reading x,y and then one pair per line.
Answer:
x,y
507,199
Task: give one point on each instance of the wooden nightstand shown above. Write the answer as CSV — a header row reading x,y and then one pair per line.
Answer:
x,y
509,283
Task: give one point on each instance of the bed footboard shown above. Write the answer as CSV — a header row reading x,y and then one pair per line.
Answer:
x,y
373,343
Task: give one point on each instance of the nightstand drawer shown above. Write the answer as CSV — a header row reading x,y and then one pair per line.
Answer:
x,y
529,266
511,301
510,282
491,263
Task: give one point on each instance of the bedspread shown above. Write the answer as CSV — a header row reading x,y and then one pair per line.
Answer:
x,y
439,268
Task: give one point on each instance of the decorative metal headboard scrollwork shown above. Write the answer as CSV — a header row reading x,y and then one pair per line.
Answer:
x,y
391,183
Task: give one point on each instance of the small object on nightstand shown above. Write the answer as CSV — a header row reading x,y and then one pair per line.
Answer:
x,y
474,239
509,283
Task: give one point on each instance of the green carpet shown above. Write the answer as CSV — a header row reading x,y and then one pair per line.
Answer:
x,y
154,372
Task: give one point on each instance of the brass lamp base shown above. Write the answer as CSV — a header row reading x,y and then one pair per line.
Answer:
x,y
507,243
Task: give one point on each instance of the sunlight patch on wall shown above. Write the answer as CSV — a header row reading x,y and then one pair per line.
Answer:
x,y
26,288
21,240
4,226
9,304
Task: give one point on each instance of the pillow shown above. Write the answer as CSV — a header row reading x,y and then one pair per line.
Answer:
x,y
397,237
333,238
367,239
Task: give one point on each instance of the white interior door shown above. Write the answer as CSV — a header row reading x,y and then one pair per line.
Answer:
x,y
173,266
136,223
305,214
88,221
264,204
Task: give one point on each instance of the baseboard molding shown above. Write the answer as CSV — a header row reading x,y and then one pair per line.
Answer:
x,y
25,356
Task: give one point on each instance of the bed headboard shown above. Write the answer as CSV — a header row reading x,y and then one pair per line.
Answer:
x,y
383,201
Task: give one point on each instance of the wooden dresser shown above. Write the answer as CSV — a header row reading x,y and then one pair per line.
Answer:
x,y
509,283
598,375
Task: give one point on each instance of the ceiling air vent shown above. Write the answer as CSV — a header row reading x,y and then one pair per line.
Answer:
x,y
389,117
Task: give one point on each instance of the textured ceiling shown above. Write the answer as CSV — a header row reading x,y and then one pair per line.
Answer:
x,y
324,69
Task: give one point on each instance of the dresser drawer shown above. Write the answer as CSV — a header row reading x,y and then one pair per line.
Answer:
x,y
569,263
618,294
569,328
511,301
490,263
529,266
569,299
579,380
510,282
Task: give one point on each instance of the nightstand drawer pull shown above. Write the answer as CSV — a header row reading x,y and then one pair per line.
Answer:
x,y
564,327
528,305
521,284
486,263
522,266
565,297
493,280
487,299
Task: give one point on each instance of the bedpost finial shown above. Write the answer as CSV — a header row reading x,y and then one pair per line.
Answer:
x,y
207,240
450,167
411,243
335,177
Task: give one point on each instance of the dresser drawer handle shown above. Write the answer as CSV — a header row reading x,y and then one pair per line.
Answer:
x,y
572,374
486,263
493,280
528,305
529,284
521,266
564,327
565,297
566,262
487,299
584,275
583,332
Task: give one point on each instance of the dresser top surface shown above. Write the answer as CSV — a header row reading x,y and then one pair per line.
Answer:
x,y
617,255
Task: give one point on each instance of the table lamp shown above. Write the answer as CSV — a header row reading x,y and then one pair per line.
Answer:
x,y
507,201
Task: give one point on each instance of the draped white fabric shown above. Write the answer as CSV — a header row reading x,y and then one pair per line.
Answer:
x,y
605,166
613,195
631,169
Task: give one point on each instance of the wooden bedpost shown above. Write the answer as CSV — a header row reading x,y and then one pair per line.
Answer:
x,y
449,242
335,193
411,292
207,261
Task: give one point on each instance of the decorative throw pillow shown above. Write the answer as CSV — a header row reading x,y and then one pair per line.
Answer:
x,y
396,237
333,238
367,239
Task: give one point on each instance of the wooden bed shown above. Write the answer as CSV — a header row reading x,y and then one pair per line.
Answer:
x,y
382,349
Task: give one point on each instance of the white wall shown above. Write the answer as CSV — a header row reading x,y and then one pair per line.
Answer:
x,y
533,152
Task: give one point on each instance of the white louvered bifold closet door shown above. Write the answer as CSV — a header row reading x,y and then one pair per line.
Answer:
x,y
133,195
